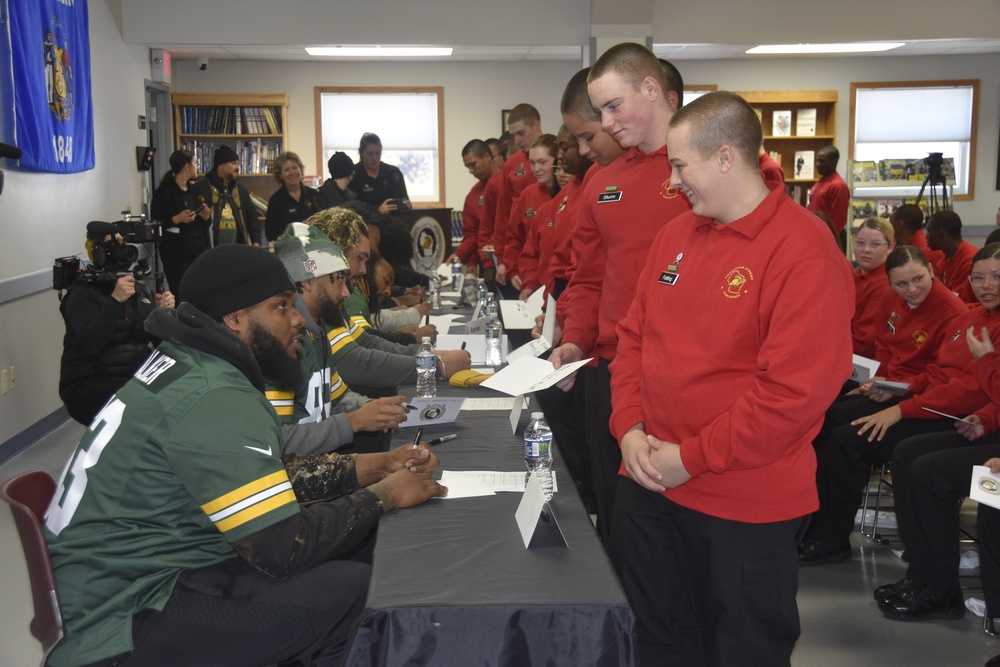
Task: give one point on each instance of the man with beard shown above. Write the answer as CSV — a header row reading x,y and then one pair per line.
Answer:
x,y
321,413
181,533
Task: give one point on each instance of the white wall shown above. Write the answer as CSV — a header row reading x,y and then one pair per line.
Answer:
x,y
44,216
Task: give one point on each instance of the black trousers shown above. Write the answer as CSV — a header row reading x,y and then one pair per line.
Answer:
x,y
232,614
85,398
705,591
930,477
843,468
845,410
988,528
602,447
564,412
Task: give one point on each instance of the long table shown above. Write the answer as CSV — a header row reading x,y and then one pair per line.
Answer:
x,y
452,583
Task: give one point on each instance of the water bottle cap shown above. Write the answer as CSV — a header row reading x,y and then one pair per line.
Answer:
x,y
538,415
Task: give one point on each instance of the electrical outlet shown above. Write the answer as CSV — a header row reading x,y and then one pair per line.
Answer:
x,y
12,379
6,381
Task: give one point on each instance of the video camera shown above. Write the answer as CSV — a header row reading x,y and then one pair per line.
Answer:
x,y
111,259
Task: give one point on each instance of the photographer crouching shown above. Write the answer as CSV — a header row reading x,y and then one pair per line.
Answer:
x,y
105,311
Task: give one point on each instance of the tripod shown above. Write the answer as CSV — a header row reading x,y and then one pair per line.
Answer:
x,y
936,180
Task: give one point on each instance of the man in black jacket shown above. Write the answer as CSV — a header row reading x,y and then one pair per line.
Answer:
x,y
234,219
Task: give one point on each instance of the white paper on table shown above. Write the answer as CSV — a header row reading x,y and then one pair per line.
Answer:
x,y
444,272
864,368
530,509
894,388
434,410
495,480
515,413
443,323
985,486
529,374
520,314
474,345
493,403
482,369
465,487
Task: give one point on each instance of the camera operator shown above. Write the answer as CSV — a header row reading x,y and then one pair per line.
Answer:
x,y
105,339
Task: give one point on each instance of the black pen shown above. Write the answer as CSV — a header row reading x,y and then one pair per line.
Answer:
x,y
463,345
416,438
443,438
427,320
409,407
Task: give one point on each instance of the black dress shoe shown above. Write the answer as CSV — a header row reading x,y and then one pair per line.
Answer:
x,y
898,588
993,662
921,601
814,552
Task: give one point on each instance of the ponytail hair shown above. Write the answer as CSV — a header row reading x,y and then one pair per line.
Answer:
x,y
178,160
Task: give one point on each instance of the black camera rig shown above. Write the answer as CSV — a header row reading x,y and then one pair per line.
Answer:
x,y
112,258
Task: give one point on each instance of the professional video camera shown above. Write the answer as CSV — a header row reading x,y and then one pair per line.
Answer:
x,y
111,259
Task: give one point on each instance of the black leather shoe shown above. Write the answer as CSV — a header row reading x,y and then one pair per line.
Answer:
x,y
814,552
923,602
888,590
993,662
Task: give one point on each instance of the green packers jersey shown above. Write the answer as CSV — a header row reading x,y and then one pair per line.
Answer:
x,y
356,312
320,390
182,461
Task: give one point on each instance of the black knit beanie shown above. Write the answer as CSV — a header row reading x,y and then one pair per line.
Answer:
x,y
224,154
231,277
340,165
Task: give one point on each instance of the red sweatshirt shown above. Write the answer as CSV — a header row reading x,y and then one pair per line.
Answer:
x,y
908,339
533,274
562,236
523,211
988,373
736,344
950,384
770,170
832,196
468,249
935,257
869,289
489,212
622,209
955,271
516,177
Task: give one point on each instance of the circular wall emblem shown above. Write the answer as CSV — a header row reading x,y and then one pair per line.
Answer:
x,y
428,245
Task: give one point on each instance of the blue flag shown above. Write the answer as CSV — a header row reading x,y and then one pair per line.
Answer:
x,y
53,115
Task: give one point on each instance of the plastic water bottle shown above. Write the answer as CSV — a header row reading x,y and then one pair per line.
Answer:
x,y
538,452
456,271
481,294
490,307
494,335
426,369
436,293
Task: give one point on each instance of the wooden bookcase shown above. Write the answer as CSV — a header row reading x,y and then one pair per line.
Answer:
x,y
769,101
254,125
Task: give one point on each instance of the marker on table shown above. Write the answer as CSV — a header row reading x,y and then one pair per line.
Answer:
x,y
443,438
463,345
416,437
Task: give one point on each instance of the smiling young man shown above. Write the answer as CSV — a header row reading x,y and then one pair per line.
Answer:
x,y
713,408
177,535
622,207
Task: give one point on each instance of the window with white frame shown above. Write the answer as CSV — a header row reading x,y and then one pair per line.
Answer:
x,y
409,121
907,120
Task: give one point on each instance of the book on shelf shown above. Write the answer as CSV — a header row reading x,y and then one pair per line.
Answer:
x,y
887,206
864,171
805,164
862,209
760,114
892,170
805,123
256,155
781,123
230,120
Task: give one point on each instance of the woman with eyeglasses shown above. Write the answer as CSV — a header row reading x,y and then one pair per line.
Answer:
x,y
872,244
949,385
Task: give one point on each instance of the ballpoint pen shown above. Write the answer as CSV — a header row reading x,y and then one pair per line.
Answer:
x,y
416,437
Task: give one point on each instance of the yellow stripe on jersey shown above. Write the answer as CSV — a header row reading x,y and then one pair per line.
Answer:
x,y
259,508
359,325
239,495
283,402
337,387
339,338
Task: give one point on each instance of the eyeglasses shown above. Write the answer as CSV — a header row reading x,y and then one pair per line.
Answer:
x,y
874,245
978,279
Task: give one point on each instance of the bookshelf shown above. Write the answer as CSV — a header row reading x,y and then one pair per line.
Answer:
x,y
254,125
770,102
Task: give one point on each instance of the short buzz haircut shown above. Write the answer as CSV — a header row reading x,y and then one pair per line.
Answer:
x,y
910,215
576,99
948,223
493,143
523,113
675,81
632,63
342,226
477,147
721,118
832,152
